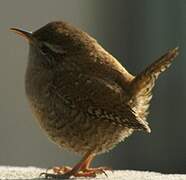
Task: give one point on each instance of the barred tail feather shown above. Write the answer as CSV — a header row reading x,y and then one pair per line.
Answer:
x,y
142,85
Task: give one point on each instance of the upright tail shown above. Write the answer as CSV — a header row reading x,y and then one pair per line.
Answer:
x,y
143,83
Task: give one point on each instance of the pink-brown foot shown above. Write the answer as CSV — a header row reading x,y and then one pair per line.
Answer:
x,y
67,172
82,169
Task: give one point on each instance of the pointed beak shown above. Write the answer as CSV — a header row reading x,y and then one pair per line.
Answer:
x,y
27,35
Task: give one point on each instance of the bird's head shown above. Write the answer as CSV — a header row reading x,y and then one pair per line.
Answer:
x,y
56,38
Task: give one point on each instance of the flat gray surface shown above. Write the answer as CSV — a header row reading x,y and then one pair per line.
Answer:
x,y
7,172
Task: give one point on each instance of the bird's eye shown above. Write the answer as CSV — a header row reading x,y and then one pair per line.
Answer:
x,y
44,49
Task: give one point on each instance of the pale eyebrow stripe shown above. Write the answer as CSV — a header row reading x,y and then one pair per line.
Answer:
x,y
54,48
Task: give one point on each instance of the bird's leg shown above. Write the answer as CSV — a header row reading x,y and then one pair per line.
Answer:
x,y
82,169
83,164
86,171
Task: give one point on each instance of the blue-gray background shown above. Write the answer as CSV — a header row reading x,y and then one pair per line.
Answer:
x,y
136,32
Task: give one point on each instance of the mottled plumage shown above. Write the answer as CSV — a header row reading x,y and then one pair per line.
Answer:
x,y
83,98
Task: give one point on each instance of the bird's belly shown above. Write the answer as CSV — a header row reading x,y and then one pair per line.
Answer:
x,y
77,131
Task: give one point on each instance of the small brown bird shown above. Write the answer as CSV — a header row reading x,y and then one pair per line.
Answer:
x,y
83,98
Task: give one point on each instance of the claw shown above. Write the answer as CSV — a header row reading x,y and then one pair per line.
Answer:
x,y
99,170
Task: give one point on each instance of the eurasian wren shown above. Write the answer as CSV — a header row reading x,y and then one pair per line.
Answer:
x,y
83,98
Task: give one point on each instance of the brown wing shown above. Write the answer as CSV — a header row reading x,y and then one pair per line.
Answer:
x,y
103,99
